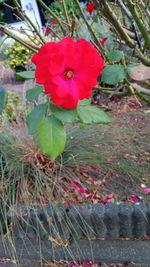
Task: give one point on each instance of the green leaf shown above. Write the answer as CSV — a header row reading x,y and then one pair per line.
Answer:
x,y
51,136
26,74
91,114
147,111
84,102
115,55
64,115
133,65
113,74
3,99
35,117
31,94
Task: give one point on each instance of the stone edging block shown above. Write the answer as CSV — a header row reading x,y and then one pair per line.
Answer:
x,y
110,221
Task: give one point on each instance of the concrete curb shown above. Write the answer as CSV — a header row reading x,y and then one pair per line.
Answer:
x,y
108,233
108,221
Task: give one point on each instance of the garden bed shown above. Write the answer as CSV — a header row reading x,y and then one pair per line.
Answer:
x,y
87,233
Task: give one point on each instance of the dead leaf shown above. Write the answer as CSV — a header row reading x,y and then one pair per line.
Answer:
x,y
140,73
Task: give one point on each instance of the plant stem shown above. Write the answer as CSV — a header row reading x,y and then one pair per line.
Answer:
x,y
65,12
18,39
142,97
23,14
114,20
143,59
53,14
90,29
141,27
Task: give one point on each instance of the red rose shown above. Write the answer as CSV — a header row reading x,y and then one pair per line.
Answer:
x,y
47,31
1,33
53,21
68,70
90,7
102,42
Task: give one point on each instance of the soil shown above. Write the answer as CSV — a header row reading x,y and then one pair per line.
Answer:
x,y
124,154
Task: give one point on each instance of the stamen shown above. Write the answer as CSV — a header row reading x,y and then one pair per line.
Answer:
x,y
68,74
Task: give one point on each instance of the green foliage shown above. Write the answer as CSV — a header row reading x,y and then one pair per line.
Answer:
x,y
31,94
46,122
3,18
91,114
26,74
35,116
70,6
112,74
18,56
13,107
64,115
3,99
115,55
51,136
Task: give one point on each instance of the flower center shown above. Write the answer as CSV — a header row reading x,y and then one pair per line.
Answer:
x,y
68,74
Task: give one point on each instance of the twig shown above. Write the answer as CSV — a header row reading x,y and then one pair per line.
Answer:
x,y
53,14
90,29
114,21
18,39
134,25
140,89
23,14
141,27
65,12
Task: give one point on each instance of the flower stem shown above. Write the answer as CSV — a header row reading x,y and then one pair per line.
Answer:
x,y
18,39
23,14
90,29
65,12
141,27
115,22
53,14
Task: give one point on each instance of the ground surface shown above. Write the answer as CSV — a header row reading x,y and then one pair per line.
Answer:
x,y
124,150
122,170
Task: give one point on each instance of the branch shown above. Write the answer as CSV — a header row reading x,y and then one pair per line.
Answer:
x,y
23,14
53,14
65,12
141,27
18,39
90,28
134,25
126,11
140,89
115,22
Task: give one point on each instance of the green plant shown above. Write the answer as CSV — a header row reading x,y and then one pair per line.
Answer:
x,y
47,120
3,99
18,57
70,7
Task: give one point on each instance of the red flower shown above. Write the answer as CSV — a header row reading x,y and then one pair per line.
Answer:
x,y
90,7
47,31
68,70
102,42
53,21
1,33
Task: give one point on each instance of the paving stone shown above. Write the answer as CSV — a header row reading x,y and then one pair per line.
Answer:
x,y
125,216
139,220
78,221
97,218
108,251
111,220
148,218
